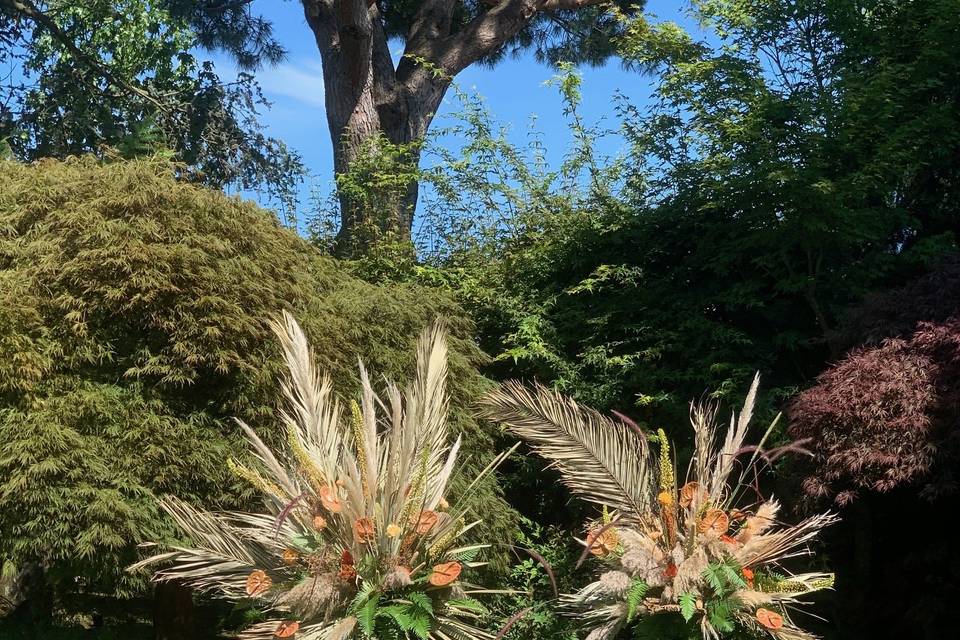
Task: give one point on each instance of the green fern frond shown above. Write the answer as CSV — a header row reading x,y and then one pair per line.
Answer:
x,y
367,616
688,605
638,589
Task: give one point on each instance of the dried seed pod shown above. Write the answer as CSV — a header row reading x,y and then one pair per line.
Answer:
x,y
363,530
347,569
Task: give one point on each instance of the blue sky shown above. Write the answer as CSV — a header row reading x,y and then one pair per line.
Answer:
x,y
514,91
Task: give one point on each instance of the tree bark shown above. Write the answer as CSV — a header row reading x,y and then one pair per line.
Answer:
x,y
370,100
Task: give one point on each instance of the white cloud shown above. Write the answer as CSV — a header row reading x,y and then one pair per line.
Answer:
x,y
301,81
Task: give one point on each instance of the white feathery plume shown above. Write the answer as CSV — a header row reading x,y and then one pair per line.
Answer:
x,y
601,460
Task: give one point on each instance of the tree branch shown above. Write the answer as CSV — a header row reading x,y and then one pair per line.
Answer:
x,y
29,10
433,20
490,30
556,5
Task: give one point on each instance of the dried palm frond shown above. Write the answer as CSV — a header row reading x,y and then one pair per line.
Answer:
x,y
685,551
602,460
357,539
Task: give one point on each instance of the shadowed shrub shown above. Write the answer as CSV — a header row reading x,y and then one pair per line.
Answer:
x,y
884,415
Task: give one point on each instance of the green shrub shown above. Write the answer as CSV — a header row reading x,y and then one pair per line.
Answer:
x,y
133,314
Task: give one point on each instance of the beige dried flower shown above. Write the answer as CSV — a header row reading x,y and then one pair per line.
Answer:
x,y
615,583
309,597
397,578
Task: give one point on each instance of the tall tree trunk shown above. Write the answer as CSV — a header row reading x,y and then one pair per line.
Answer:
x,y
372,103
367,145
372,109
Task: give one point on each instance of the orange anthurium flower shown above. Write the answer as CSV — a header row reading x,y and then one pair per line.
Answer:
x,y
688,492
714,522
444,574
329,499
258,583
425,521
769,619
287,629
602,543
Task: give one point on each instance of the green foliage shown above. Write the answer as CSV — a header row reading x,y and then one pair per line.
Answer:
x,y
531,587
638,589
374,189
754,205
133,313
367,614
418,615
688,605
83,464
724,577
122,73
409,615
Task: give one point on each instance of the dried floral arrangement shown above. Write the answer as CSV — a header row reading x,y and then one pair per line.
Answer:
x,y
695,551
358,540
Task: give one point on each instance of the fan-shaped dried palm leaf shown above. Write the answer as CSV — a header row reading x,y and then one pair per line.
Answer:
x,y
357,527
600,459
684,551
